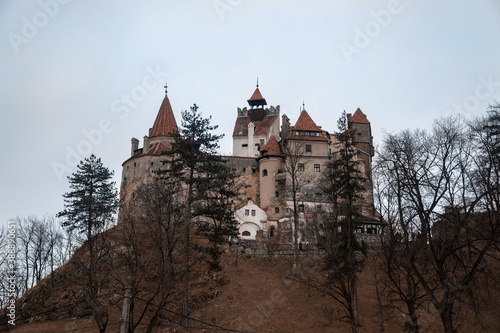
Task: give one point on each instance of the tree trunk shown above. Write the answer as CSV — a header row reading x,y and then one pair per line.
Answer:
x,y
355,314
447,318
185,298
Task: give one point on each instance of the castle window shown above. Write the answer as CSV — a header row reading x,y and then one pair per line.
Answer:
x,y
271,233
253,212
318,195
316,168
318,208
151,163
276,194
301,208
371,229
301,167
308,148
244,145
247,212
261,142
276,210
288,210
298,189
264,172
246,233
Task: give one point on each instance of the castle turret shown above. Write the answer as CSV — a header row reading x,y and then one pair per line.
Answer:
x,y
363,139
264,122
272,179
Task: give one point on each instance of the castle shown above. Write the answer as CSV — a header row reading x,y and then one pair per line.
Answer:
x,y
264,206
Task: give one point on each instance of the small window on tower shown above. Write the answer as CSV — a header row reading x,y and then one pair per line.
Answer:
x,y
247,212
308,148
246,233
253,212
264,172
276,210
301,167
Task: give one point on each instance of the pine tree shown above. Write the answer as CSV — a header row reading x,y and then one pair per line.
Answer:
x,y
343,185
89,207
93,198
195,165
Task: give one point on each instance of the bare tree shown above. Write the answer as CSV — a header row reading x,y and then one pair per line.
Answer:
x,y
441,188
153,225
297,179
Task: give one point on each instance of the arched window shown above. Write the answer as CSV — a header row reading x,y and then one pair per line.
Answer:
x,y
246,233
276,210
264,173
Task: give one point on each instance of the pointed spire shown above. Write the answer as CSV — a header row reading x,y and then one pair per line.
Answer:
x,y
305,123
359,117
257,99
165,123
165,86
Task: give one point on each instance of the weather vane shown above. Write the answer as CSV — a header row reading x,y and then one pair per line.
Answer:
x,y
165,86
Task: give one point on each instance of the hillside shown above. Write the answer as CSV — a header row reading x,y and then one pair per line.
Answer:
x,y
256,294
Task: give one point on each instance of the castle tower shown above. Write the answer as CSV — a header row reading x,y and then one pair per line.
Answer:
x,y
272,179
137,169
363,139
254,126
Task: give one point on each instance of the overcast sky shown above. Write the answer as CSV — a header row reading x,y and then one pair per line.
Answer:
x,y
81,77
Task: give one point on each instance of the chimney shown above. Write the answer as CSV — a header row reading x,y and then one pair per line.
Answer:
x,y
285,127
135,145
145,147
349,115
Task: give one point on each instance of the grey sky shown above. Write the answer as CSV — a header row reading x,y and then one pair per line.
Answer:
x,y
87,76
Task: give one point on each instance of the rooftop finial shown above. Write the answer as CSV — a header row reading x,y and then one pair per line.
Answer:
x,y
257,81
165,86
303,105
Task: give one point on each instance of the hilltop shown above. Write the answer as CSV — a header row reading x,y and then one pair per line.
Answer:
x,y
250,293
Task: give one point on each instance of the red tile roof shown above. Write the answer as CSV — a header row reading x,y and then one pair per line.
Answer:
x,y
359,117
256,95
165,123
263,126
158,148
305,123
271,148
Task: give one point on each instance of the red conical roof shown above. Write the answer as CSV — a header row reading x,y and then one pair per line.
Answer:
x,y
257,98
305,123
165,123
359,117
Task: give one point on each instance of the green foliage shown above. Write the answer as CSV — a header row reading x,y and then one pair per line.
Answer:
x,y
207,181
93,198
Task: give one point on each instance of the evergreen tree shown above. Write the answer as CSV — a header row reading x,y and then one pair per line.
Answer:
x,y
343,185
93,198
201,173
89,207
